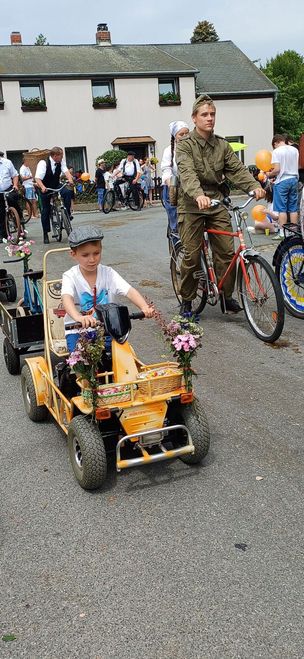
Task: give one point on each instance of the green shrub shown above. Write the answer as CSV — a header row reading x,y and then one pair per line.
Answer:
x,y
112,156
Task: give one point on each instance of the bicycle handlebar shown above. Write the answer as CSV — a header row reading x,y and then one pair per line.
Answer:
x,y
56,189
137,315
13,260
217,202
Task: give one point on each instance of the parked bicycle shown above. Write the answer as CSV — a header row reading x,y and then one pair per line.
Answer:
x,y
12,222
31,301
132,198
257,286
288,261
59,217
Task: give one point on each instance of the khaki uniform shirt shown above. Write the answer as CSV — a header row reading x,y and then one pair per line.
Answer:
x,y
202,164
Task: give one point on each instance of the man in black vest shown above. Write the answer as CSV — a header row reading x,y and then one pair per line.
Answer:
x,y
48,173
129,171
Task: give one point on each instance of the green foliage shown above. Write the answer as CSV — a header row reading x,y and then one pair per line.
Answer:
x,y
286,70
169,96
103,100
204,31
41,41
33,102
112,156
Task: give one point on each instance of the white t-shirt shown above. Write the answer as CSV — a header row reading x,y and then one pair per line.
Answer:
x,y
287,157
166,169
25,171
108,284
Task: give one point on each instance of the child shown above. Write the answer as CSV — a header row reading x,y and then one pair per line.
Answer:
x,y
89,283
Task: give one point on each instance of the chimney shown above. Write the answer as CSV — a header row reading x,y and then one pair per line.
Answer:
x,y
103,36
16,39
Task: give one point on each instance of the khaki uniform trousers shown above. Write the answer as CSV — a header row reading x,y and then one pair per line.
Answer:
x,y
191,227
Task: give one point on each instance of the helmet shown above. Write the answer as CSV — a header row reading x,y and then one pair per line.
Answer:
x,y
82,235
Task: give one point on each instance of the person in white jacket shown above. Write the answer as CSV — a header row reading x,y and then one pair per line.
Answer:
x,y
178,129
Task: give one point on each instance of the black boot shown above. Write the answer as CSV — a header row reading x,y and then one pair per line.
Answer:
x,y
230,305
186,308
46,238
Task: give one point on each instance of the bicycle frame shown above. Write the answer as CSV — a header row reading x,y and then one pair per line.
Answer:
x,y
34,303
240,255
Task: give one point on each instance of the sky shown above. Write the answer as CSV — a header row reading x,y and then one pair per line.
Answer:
x,y
260,30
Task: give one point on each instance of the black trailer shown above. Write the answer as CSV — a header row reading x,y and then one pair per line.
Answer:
x,y
23,332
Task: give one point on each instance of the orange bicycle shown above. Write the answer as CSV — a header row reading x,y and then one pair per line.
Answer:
x,y
257,286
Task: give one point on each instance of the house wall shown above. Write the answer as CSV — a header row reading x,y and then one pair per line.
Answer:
x,y
71,121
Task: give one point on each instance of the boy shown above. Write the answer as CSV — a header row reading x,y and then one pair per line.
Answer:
x,y
89,283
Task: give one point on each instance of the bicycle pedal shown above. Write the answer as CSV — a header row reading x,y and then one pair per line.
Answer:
x,y
199,274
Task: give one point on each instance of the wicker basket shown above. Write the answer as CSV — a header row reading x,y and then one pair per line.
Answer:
x,y
161,384
34,156
121,396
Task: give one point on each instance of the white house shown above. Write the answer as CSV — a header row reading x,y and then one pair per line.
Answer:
x,y
90,98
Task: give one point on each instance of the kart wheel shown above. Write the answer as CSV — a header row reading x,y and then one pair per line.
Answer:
x,y
11,291
11,357
87,453
34,411
194,418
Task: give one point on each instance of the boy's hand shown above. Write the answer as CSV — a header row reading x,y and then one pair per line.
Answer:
x,y
87,321
148,310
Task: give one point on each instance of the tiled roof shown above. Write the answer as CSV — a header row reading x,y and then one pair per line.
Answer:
x,y
74,60
223,68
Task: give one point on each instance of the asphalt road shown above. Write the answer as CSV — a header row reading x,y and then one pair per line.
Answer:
x,y
167,561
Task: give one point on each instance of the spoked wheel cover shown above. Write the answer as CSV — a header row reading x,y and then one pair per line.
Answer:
x,y
291,274
263,303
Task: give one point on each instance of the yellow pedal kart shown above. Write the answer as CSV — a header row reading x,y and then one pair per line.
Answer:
x,y
143,419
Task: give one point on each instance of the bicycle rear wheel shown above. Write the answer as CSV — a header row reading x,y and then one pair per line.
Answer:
x,y
13,225
108,201
262,299
56,225
135,199
199,302
290,273
65,221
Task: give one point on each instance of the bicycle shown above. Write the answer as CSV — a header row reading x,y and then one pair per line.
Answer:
x,y
31,302
12,220
26,207
257,286
288,261
59,217
129,198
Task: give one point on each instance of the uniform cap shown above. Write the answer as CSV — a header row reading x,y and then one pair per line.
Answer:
x,y
204,98
82,235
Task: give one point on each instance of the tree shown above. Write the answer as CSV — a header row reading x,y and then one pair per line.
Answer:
x,y
286,71
204,31
112,156
41,41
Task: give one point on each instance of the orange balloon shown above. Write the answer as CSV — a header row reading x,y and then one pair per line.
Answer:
x,y
263,160
85,176
259,212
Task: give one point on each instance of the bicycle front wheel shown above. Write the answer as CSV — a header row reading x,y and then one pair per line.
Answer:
x,y
199,302
27,210
65,221
13,225
135,199
262,299
108,201
56,225
290,273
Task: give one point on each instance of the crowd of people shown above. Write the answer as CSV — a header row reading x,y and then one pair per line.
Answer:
x,y
200,161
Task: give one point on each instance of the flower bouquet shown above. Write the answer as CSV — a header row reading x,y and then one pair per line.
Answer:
x,y
22,251
85,359
184,337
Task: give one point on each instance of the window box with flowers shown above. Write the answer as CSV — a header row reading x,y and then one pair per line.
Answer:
x,y
170,98
33,104
104,102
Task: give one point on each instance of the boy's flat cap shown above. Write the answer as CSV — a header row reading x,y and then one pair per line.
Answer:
x,y
82,235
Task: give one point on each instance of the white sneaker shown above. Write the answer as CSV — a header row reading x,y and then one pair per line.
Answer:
x,y
278,237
